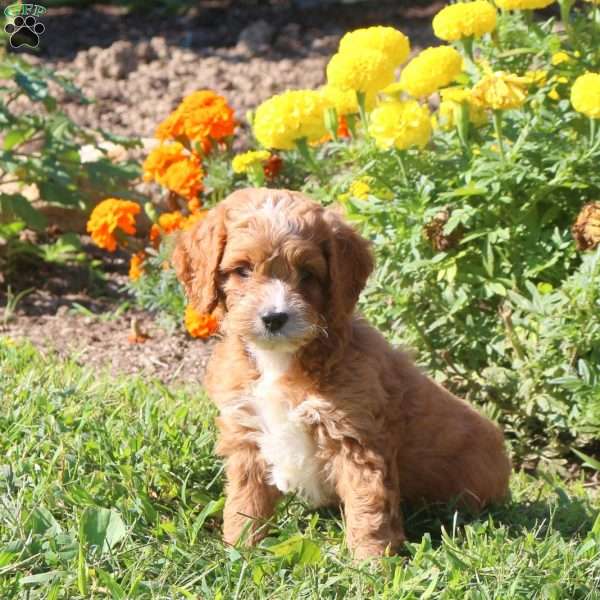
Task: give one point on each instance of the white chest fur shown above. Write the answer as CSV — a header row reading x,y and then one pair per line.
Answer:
x,y
284,440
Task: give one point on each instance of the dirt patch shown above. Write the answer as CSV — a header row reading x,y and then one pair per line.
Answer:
x,y
87,314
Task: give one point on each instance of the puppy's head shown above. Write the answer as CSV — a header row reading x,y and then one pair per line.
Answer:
x,y
279,269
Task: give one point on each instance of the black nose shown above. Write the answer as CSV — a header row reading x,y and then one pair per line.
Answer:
x,y
274,321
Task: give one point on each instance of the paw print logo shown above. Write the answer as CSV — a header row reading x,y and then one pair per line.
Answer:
x,y
24,31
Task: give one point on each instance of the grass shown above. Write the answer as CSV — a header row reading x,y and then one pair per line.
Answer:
x,y
109,489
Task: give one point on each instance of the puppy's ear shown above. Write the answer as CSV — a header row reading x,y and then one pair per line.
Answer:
x,y
196,258
350,264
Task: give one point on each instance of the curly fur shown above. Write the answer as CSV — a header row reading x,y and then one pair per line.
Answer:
x,y
325,408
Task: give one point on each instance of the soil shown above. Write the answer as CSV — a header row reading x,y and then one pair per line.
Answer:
x,y
136,67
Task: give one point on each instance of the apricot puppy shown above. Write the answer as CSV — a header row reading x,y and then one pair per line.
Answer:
x,y
312,399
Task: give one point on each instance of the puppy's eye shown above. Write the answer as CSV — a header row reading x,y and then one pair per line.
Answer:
x,y
305,275
242,271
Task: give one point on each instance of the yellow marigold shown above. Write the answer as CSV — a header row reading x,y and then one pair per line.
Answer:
x,y
285,118
344,101
361,70
171,221
135,266
242,163
391,42
560,57
400,124
523,4
360,188
586,229
203,115
194,218
199,325
194,205
452,99
430,70
109,216
465,19
171,166
536,77
585,95
500,91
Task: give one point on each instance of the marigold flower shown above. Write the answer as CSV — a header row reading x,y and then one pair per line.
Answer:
x,y
400,124
465,19
135,265
202,116
360,188
523,4
391,42
199,325
272,167
430,70
194,218
242,163
194,205
536,77
454,97
559,57
585,95
586,229
345,101
109,216
155,235
285,118
361,70
171,166
500,91
171,221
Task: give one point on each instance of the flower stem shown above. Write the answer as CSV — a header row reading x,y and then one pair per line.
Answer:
x,y
400,156
362,109
461,118
592,132
497,118
307,155
351,122
467,44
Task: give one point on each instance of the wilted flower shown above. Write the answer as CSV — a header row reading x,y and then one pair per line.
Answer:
x,y
523,4
398,124
109,216
285,118
199,325
430,70
585,95
465,19
500,91
434,232
272,167
360,70
586,229
242,163
175,168
391,42
452,99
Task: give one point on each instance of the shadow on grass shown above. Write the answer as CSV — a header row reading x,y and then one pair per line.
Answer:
x,y
556,511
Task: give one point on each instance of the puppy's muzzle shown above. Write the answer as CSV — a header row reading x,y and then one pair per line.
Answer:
x,y
274,321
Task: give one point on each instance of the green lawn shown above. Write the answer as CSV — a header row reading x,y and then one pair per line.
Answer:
x,y
108,489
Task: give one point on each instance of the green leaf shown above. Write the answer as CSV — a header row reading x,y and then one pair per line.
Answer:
x,y
17,136
588,460
116,591
21,208
102,528
36,89
212,508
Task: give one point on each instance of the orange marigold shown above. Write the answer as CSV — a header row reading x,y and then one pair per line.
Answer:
x,y
135,265
171,221
109,216
171,166
155,235
194,205
194,218
199,325
201,117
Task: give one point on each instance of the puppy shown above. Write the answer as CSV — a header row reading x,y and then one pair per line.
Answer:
x,y
312,399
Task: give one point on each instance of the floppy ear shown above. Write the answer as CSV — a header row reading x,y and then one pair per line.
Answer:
x,y
196,258
350,264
